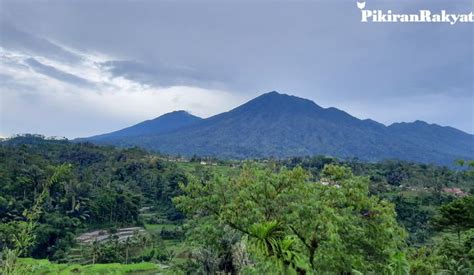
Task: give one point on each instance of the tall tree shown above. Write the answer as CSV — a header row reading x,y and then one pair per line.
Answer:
x,y
457,215
328,226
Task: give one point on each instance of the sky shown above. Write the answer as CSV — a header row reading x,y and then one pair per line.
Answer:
x,y
80,68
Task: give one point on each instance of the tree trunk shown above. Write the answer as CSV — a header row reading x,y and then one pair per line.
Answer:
x,y
126,255
73,203
311,257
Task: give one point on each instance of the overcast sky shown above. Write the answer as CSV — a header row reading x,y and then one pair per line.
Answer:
x,y
79,68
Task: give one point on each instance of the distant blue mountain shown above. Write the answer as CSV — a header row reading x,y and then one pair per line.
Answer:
x,y
279,125
160,125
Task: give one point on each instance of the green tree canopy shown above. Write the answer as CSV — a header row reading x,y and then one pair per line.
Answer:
x,y
301,225
457,215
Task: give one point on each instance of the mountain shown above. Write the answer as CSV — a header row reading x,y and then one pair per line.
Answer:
x,y
160,125
281,125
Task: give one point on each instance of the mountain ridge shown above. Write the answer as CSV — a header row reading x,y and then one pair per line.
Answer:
x,y
281,125
162,124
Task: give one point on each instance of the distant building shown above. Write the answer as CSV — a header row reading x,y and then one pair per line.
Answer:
x,y
455,191
326,182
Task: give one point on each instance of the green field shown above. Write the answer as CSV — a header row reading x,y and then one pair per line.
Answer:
x,y
34,266
159,227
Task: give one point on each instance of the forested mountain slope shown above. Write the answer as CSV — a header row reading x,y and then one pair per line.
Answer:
x,y
279,125
163,124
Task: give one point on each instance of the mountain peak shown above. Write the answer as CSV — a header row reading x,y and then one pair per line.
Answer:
x,y
175,113
275,94
178,112
272,93
160,125
282,125
280,102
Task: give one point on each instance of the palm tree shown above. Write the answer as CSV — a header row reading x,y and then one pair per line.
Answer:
x,y
269,239
266,237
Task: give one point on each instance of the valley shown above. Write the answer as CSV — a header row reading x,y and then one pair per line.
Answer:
x,y
127,210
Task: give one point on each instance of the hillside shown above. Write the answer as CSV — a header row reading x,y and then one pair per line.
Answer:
x,y
114,210
159,125
280,125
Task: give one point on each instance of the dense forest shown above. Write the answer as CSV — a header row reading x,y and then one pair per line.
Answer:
x,y
281,125
313,215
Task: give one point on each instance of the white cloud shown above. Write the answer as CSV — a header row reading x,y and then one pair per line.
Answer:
x,y
37,103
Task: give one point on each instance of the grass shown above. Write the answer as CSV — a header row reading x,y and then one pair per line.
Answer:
x,y
159,227
171,244
46,267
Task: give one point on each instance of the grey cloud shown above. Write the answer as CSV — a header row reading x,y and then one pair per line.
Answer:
x,y
8,81
15,39
305,47
55,73
159,74
314,49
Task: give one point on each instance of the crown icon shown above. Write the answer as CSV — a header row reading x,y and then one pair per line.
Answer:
x,y
361,5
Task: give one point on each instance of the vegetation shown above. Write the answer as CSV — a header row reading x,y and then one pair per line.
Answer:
x,y
299,225
46,267
315,215
457,215
279,125
42,212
